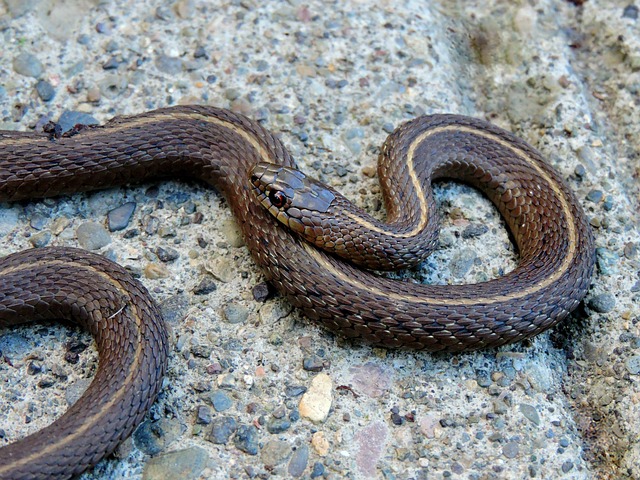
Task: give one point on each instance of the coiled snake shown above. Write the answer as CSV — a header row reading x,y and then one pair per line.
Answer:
x,y
231,152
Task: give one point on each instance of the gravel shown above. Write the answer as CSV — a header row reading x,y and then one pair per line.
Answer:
x,y
333,82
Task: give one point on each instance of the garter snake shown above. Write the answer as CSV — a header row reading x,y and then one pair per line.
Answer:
x,y
229,151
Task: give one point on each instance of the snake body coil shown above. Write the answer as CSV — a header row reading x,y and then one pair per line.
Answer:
x,y
222,148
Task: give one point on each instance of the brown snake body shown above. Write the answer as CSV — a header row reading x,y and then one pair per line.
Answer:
x,y
221,148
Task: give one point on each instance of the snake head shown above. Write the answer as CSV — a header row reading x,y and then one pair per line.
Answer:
x,y
290,196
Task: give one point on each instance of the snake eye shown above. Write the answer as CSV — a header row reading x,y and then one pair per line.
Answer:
x,y
277,198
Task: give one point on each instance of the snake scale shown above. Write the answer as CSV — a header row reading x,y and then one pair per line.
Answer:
x,y
232,153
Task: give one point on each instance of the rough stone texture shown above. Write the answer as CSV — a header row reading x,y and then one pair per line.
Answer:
x,y
316,402
334,80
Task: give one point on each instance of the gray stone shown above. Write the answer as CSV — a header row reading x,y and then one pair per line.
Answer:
x,y
119,217
174,308
313,363
278,425
205,286
40,239
462,261
602,303
298,462
633,365
474,230
234,313
28,65
511,450
92,236
154,437
530,413
8,220
167,64
70,119
17,8
246,439
595,196
221,430
167,254
221,401
203,416
45,90
275,452
607,261
317,470
184,464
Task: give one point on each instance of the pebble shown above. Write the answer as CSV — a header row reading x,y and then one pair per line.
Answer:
x,y
278,425
111,63
474,230
167,254
246,439
313,363
221,268
221,401
8,220
483,378
168,64
274,452
28,65
221,430
371,379
298,462
567,466
511,450
153,437
38,221
40,239
45,90
317,470
595,196
294,390
316,402
530,413
119,217
184,464
260,292
430,426
630,11
70,119
205,286
607,261
631,250
93,94
633,365
320,444
202,350
203,416
232,233
235,313
499,407
92,236
370,442
462,261
154,271
602,303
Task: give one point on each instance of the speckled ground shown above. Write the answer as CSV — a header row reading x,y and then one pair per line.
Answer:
x,y
334,78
